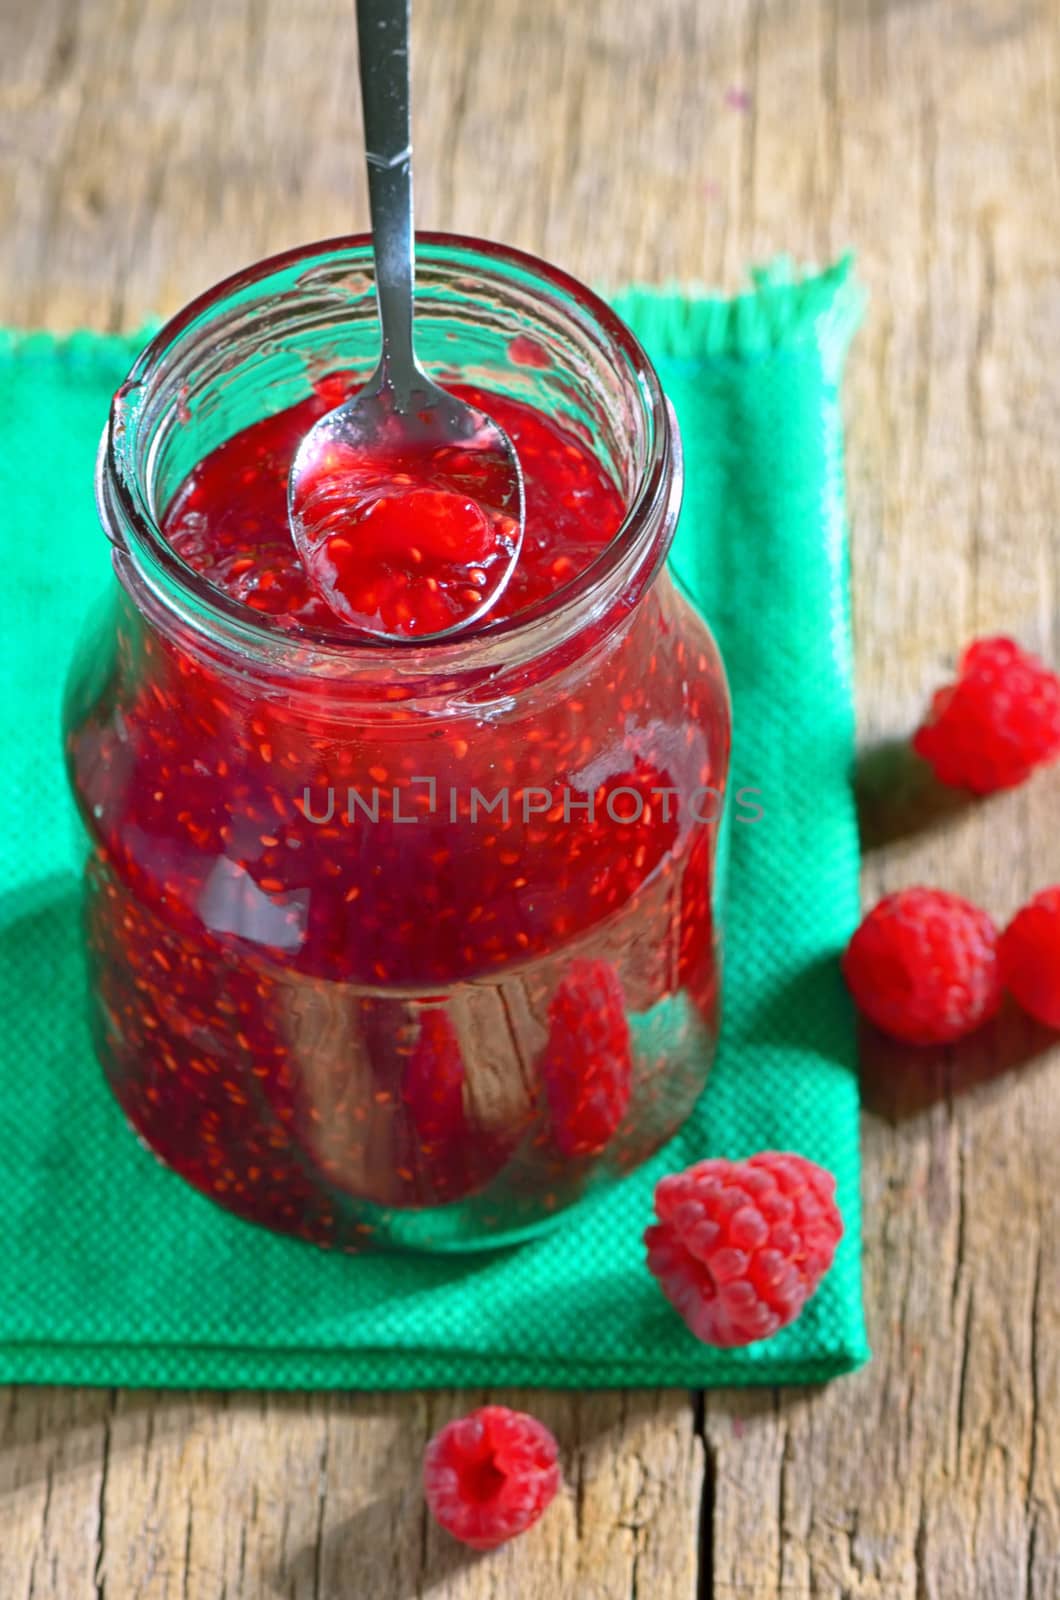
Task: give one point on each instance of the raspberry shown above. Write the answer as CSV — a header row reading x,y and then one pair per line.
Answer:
x,y
999,721
586,1065
740,1246
923,967
444,1152
490,1475
1030,957
433,1083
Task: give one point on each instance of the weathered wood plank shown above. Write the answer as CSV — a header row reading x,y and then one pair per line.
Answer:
x,y
930,1474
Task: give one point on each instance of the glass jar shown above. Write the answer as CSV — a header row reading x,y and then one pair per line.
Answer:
x,y
411,943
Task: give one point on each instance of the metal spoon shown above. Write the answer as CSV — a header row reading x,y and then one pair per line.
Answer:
x,y
400,419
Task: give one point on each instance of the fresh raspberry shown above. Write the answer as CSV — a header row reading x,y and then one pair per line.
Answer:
x,y
999,721
586,1065
923,967
1030,957
740,1246
490,1475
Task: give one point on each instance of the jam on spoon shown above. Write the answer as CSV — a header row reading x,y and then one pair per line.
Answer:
x,y
408,537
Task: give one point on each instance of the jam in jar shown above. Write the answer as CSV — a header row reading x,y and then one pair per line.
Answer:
x,y
410,942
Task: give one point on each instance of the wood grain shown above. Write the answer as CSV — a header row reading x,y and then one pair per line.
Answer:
x,y
148,148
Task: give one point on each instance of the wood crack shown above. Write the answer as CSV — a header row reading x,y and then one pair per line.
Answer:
x,y
64,47
964,1345
49,1483
1036,1418
705,1522
920,1549
782,1484
318,1549
99,1573
185,1589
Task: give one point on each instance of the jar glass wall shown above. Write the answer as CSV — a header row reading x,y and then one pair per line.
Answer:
x,y
412,944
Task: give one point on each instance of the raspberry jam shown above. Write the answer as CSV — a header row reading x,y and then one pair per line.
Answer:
x,y
410,943
229,522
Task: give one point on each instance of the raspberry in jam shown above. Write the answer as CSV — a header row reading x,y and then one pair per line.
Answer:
x,y
410,943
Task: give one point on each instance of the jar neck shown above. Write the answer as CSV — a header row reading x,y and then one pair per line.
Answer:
x,y
229,338
481,670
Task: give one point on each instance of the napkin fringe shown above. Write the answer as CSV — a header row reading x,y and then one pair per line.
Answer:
x,y
786,305
90,352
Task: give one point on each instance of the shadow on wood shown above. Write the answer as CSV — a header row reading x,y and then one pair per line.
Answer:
x,y
898,795
352,1557
390,1545
900,1080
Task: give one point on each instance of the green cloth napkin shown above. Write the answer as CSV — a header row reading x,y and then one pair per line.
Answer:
x,y
113,1271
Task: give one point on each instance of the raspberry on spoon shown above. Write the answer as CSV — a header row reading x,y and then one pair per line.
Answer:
x,y
398,544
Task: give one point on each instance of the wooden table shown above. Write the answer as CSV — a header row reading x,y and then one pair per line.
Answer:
x,y
148,148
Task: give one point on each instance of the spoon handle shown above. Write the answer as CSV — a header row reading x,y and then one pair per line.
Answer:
x,y
383,41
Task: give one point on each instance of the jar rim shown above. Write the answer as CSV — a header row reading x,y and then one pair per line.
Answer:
x,y
150,550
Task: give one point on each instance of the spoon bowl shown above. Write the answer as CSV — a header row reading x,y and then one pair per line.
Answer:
x,y
409,522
